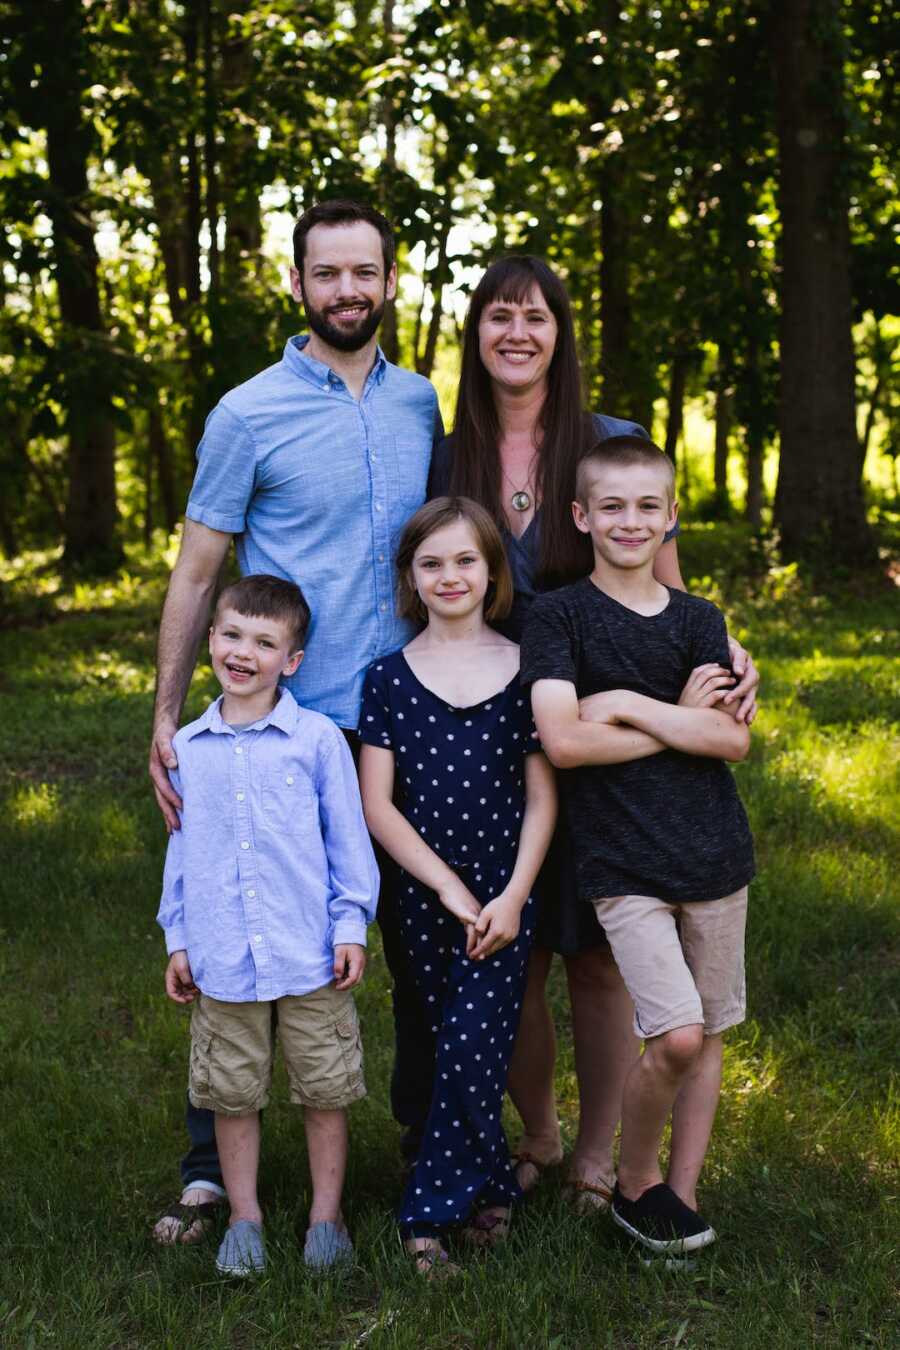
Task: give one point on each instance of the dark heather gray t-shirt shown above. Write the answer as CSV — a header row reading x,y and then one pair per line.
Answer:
x,y
670,825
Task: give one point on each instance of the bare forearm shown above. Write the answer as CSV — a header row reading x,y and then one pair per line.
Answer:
x,y
597,743
405,845
537,830
184,620
696,731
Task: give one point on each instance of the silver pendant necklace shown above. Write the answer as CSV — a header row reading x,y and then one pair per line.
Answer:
x,y
520,499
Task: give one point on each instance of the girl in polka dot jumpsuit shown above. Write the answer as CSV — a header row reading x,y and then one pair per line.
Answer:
x,y
456,789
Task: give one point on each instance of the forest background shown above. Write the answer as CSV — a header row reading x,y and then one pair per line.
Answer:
x,y
715,181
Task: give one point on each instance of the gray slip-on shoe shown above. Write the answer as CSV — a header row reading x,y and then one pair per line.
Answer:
x,y
326,1245
242,1251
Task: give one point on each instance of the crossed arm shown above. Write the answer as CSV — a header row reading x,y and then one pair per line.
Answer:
x,y
619,726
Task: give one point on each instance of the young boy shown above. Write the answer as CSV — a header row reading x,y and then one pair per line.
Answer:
x,y
663,848
268,888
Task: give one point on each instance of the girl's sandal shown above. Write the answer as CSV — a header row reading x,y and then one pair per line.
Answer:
x,y
430,1260
488,1229
590,1197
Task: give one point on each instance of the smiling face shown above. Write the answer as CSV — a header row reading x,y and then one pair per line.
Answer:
x,y
450,571
627,510
343,287
516,341
249,655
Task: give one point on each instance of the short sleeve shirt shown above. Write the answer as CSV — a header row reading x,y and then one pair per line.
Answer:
x,y
670,825
316,486
460,772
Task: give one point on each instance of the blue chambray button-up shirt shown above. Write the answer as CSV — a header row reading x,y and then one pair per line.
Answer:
x,y
317,487
272,866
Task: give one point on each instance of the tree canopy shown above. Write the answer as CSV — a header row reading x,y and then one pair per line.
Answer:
x,y
715,181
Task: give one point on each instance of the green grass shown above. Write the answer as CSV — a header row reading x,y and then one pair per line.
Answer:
x,y
801,1181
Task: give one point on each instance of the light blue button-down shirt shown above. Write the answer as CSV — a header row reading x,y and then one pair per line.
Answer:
x,y
272,866
317,487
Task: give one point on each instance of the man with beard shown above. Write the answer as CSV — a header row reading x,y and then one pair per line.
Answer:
x,y
313,467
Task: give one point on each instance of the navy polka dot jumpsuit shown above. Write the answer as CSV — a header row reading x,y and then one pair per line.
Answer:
x,y
459,774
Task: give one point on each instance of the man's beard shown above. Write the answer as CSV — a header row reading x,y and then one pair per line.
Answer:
x,y
344,339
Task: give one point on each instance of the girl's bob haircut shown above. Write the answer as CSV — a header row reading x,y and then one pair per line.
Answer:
x,y
434,515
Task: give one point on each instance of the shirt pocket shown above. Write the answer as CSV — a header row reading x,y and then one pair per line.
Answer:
x,y
288,801
408,454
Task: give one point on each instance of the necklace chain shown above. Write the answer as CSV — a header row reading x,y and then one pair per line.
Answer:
x,y
521,497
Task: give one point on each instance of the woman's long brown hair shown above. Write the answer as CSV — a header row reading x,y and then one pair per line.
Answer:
x,y
564,429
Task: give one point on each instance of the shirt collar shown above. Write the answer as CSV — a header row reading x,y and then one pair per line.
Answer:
x,y
297,360
283,716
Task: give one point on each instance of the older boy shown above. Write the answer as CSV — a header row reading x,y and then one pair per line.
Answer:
x,y
269,885
664,852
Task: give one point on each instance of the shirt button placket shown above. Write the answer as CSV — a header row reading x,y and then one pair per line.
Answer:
x,y
247,869
381,528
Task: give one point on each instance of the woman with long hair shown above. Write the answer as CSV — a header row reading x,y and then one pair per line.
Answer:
x,y
520,429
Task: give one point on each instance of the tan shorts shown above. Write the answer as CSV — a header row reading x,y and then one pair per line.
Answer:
x,y
682,964
233,1046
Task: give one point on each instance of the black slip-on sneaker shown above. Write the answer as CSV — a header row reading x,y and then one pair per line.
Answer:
x,y
661,1222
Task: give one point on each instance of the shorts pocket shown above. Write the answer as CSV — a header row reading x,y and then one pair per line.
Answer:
x,y
201,1051
350,1043
288,800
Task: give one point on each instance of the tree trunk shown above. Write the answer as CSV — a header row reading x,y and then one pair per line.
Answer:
x,y
438,278
678,373
9,544
162,462
243,222
91,541
389,338
755,450
819,503
626,381
196,345
210,148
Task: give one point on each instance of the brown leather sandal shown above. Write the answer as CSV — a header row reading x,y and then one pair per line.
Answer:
x,y
589,1197
186,1216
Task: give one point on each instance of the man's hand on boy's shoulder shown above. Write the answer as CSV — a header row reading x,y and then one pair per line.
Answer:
x,y
162,758
180,985
349,964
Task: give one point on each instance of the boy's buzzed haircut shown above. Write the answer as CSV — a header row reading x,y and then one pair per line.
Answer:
x,y
266,597
623,451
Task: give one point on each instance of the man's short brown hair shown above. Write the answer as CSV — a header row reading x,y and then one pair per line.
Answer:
x,y
342,211
266,597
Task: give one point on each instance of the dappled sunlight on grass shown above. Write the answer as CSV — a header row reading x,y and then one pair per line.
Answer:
x,y
116,834
36,804
803,1157
104,668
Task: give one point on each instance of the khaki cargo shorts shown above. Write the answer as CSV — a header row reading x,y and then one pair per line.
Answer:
x,y
682,964
233,1046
